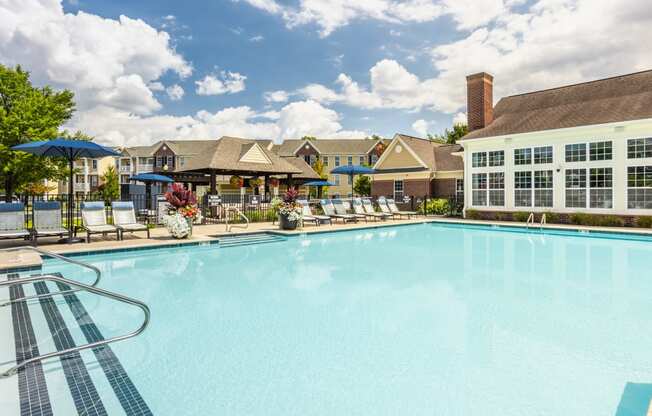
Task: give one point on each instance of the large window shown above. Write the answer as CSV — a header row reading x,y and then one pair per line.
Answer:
x,y
543,188
336,179
479,159
639,187
324,160
497,158
522,156
543,154
600,180
337,161
576,152
639,148
600,151
361,160
479,187
349,160
575,188
398,190
459,189
523,189
497,189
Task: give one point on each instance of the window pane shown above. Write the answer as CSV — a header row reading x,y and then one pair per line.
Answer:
x,y
639,148
497,189
522,156
543,197
639,187
479,180
497,158
479,159
575,198
497,198
479,185
576,152
600,151
543,154
523,191
543,179
523,179
479,198
575,188
575,178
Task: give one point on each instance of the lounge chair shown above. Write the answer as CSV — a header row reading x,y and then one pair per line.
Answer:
x,y
340,209
394,209
369,209
94,220
47,220
124,218
310,217
329,210
12,221
359,209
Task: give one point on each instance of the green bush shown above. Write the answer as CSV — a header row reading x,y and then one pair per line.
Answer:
x,y
435,206
503,216
580,218
473,214
644,222
553,218
520,216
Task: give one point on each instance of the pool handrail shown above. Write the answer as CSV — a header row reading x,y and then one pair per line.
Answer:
x,y
98,273
80,287
229,227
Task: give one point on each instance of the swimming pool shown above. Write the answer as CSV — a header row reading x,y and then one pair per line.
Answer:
x,y
418,320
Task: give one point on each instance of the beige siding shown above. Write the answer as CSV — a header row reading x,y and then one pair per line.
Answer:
x,y
255,155
398,160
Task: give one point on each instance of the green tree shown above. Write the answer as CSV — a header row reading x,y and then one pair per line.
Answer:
x,y
362,185
311,138
28,113
110,187
451,136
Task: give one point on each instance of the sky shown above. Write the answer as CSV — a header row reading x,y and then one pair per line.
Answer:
x,y
144,71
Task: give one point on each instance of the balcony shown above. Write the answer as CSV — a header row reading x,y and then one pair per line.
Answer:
x,y
125,169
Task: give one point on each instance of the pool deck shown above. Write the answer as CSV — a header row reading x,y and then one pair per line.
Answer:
x,y
206,233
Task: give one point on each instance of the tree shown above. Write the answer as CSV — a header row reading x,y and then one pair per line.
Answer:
x,y
451,136
110,187
29,114
318,167
311,138
362,185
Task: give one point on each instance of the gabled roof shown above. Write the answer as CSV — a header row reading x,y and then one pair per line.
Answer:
x,y
621,98
434,156
328,146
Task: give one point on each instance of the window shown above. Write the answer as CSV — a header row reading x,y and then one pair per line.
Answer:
x,y
150,160
94,164
575,188
160,161
639,148
337,161
80,179
337,179
124,178
523,189
398,190
142,160
325,160
479,159
600,151
479,189
600,180
522,156
349,160
361,159
374,158
182,160
576,152
170,162
639,187
459,189
543,188
93,180
349,179
543,154
497,189
497,158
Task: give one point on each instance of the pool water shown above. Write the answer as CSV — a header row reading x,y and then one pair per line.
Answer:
x,y
415,320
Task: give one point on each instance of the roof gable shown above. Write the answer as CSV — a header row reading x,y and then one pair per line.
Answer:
x,y
399,154
254,154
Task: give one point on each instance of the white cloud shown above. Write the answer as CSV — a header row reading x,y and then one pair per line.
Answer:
x,y
257,38
175,92
279,96
421,126
460,118
224,83
105,61
318,93
156,86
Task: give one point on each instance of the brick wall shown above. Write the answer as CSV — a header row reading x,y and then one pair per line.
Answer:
x,y
382,188
443,188
479,100
416,187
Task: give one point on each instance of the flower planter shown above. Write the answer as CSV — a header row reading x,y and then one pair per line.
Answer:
x,y
189,221
286,224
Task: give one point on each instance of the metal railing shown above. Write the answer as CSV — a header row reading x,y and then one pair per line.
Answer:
x,y
229,227
98,273
530,220
543,220
80,286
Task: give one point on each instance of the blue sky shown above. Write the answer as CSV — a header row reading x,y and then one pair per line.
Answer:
x,y
150,70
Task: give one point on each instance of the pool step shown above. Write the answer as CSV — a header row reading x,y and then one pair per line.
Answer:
x,y
247,239
87,389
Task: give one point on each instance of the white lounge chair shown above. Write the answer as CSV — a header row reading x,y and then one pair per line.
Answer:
x,y
12,221
340,209
358,208
329,210
369,209
47,220
394,209
94,220
309,216
124,218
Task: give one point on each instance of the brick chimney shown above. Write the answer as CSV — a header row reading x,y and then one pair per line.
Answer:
x,y
479,100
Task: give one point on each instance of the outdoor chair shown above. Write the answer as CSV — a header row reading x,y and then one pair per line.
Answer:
x,y
395,211
124,218
329,210
12,221
309,216
47,220
340,209
359,209
369,209
94,220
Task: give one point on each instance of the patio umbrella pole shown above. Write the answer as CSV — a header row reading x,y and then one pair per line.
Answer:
x,y
71,205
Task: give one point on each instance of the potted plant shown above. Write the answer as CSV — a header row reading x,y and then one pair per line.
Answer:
x,y
236,181
182,211
254,183
288,209
274,182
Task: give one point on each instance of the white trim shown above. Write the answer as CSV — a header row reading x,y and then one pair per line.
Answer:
x,y
262,152
386,153
303,143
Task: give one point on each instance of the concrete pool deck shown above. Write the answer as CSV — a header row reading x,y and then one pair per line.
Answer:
x,y
206,233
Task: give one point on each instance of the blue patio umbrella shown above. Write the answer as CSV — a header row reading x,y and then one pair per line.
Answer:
x,y
69,150
353,170
319,185
150,178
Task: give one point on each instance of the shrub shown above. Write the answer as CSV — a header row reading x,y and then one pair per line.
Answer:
x,y
520,216
644,222
503,216
580,218
435,206
473,214
553,218
611,221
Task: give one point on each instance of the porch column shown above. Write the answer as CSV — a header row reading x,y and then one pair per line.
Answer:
x,y
213,185
266,186
290,181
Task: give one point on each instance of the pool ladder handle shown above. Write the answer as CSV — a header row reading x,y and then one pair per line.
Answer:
x,y
98,273
229,227
530,220
80,287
